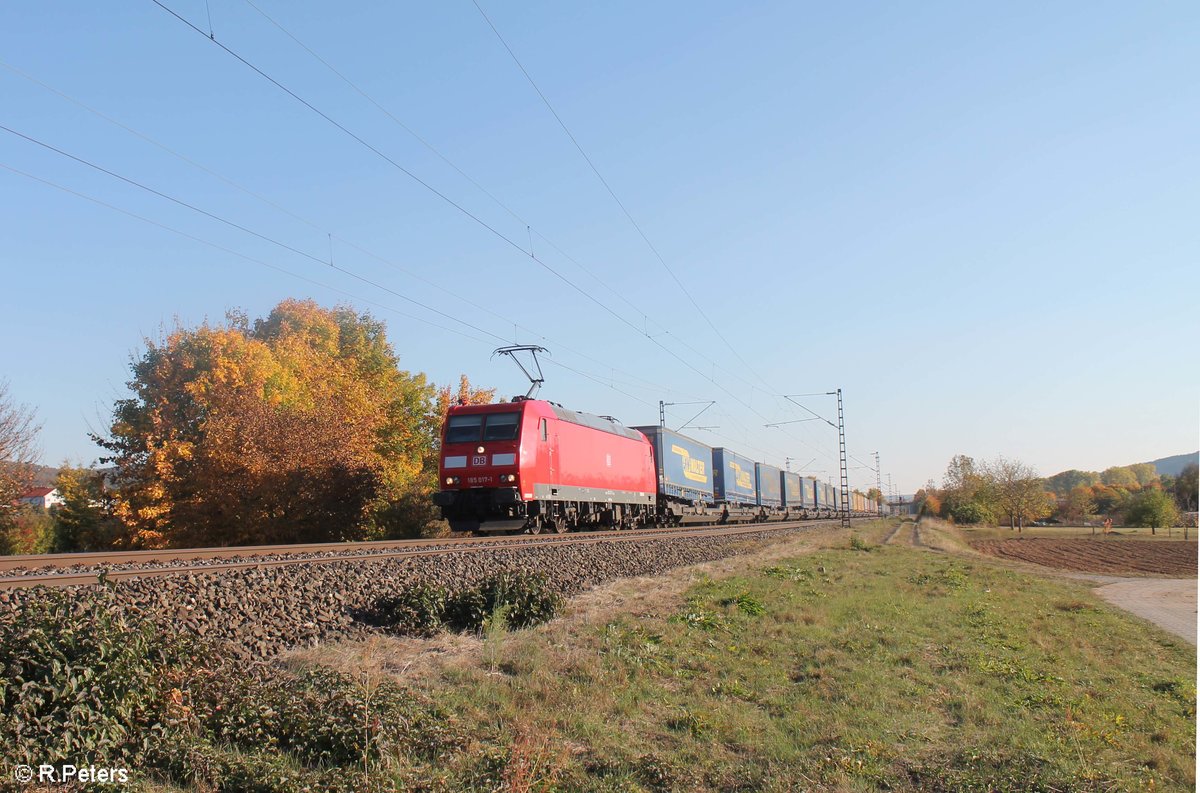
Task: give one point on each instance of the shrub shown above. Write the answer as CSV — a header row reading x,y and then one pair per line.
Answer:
x,y
318,716
857,544
525,599
529,597
971,513
419,610
78,678
28,530
82,680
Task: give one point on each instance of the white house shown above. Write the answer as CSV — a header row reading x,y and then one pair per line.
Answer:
x,y
44,497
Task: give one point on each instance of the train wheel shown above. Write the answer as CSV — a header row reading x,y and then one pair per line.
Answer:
x,y
535,527
559,525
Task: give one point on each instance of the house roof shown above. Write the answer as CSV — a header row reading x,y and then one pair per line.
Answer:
x,y
37,492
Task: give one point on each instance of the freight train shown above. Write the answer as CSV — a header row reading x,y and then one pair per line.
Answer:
x,y
531,465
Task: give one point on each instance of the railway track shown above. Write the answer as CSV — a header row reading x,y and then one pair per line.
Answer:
x,y
65,570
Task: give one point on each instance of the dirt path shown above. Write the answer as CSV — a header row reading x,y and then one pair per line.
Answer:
x,y
1169,603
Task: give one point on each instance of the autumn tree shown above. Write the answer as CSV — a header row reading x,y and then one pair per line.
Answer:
x,y
18,451
1119,476
1152,508
967,495
1110,501
300,427
1064,482
1186,485
1080,504
1019,491
875,497
84,521
1144,473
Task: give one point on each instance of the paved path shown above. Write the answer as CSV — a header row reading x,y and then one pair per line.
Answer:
x,y
1169,603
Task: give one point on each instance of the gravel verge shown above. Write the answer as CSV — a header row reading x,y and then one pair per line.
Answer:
x,y
256,613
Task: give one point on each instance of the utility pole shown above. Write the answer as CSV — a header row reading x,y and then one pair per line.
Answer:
x,y
845,505
878,485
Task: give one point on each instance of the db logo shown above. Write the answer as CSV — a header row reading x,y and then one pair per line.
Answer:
x,y
479,459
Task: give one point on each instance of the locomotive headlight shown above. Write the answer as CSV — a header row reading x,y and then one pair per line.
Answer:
x,y
480,450
449,480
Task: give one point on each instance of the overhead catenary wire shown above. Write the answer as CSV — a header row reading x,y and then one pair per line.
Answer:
x,y
458,206
244,229
531,230
263,199
284,270
231,251
613,193
496,232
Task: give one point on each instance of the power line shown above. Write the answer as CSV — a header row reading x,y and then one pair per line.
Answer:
x,y
230,251
245,229
737,398
434,150
285,271
612,193
450,201
237,186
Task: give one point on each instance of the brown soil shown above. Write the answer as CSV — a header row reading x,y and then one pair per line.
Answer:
x,y
1119,557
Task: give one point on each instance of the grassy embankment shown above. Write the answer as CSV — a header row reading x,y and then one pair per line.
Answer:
x,y
852,668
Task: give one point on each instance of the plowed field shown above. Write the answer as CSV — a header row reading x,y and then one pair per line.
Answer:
x,y
1119,557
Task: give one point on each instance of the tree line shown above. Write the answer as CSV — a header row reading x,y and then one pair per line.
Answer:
x,y
297,427
1004,490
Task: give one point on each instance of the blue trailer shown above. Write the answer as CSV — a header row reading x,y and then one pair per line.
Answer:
x,y
733,477
822,494
809,486
769,485
684,465
792,487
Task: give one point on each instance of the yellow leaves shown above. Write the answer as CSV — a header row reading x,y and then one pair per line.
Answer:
x,y
280,432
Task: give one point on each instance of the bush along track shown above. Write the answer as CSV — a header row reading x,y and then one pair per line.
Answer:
x,y
83,683
262,611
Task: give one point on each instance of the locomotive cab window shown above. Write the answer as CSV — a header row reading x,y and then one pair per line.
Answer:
x,y
464,429
502,426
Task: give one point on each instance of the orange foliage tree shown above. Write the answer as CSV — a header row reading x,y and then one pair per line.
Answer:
x,y
299,428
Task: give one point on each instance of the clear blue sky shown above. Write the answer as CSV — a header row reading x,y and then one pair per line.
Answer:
x,y
979,220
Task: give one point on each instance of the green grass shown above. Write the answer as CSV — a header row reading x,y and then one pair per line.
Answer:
x,y
898,669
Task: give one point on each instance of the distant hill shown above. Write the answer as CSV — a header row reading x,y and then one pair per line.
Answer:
x,y
44,476
1173,465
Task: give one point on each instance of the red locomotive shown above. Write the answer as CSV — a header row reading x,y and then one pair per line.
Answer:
x,y
533,465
